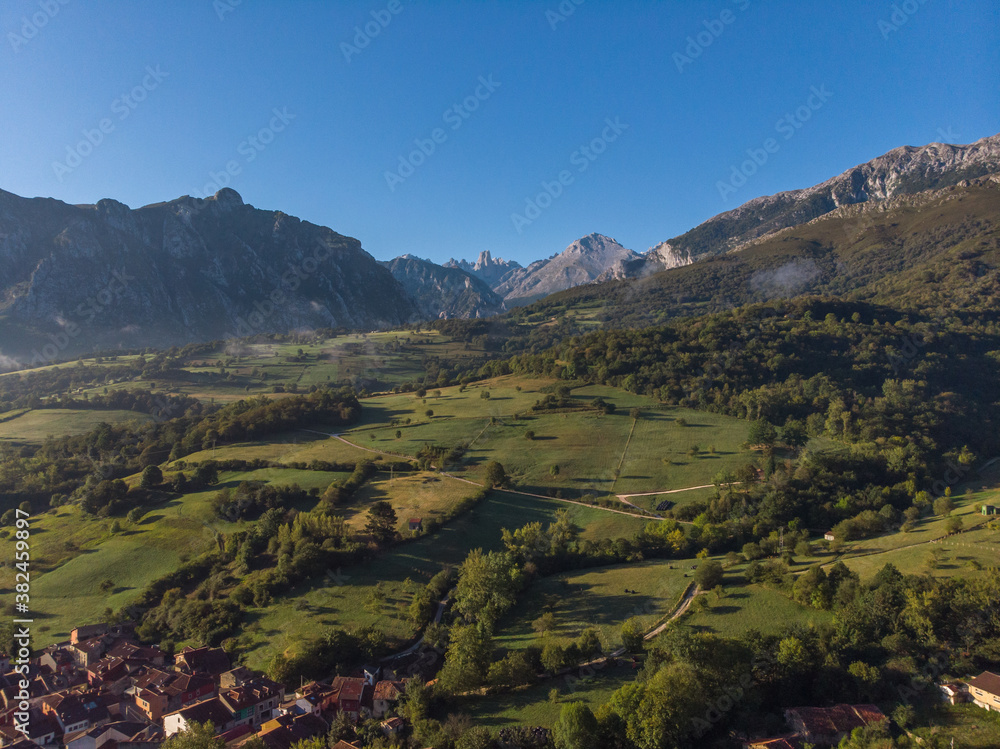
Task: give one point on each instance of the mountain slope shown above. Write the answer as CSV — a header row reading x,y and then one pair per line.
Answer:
x,y
902,171
936,249
440,291
79,277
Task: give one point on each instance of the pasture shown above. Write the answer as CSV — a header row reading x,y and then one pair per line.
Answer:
x,y
35,426
596,598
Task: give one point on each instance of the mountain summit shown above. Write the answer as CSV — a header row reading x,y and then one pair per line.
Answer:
x,y
486,268
584,261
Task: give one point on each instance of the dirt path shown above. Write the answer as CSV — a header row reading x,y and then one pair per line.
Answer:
x,y
621,461
623,497
359,447
681,608
556,499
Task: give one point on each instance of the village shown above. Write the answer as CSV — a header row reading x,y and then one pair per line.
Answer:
x,y
102,688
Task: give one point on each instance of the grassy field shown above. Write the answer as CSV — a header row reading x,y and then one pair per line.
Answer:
x,y
339,599
968,726
73,553
747,607
291,447
379,361
596,598
424,495
35,426
533,707
955,556
587,447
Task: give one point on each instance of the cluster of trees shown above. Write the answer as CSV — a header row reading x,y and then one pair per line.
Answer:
x,y
72,466
251,498
339,492
254,418
890,639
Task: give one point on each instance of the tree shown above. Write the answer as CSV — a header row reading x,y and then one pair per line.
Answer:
x,y
381,522
545,623
663,711
553,657
477,737
134,515
151,476
632,635
709,574
576,727
762,433
197,736
943,506
466,662
495,475
529,435
206,474
488,585
794,433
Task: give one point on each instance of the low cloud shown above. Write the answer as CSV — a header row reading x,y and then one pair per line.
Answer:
x,y
787,280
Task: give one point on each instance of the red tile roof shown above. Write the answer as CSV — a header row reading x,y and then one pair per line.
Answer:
x,y
389,690
350,687
831,721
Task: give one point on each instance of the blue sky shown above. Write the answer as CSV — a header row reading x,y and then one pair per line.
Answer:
x,y
174,92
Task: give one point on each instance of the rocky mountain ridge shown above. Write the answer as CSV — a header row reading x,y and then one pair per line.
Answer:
x,y
76,278
442,291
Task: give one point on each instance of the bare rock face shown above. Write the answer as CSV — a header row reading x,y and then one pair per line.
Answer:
x,y
444,291
486,268
101,276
